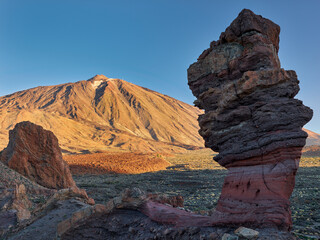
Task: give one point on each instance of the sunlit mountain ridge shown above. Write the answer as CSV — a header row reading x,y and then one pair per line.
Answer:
x,y
104,114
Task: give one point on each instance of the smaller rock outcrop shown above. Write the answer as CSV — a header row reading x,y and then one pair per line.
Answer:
x,y
24,215
14,207
21,203
35,153
31,207
136,199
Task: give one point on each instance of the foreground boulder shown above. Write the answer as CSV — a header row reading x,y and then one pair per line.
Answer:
x,y
252,119
35,153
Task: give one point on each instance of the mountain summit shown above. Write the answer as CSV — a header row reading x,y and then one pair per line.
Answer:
x,y
104,114
98,78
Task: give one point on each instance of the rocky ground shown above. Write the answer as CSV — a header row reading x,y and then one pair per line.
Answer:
x,y
134,206
199,181
129,224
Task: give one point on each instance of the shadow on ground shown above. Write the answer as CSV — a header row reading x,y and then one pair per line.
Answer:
x,y
201,190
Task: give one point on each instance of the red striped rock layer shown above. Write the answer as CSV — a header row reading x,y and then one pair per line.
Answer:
x,y
252,119
262,190
252,195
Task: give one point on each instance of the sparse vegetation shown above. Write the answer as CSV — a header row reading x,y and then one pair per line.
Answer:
x,y
199,180
129,163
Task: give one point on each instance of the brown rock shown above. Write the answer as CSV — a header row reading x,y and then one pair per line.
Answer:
x,y
21,203
16,200
14,208
10,178
80,193
248,22
174,201
136,199
53,219
35,153
252,119
79,217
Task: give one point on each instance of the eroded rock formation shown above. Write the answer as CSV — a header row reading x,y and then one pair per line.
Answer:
x,y
252,119
27,209
35,153
14,207
122,218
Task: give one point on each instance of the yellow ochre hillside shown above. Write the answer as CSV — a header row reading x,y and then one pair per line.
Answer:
x,y
104,114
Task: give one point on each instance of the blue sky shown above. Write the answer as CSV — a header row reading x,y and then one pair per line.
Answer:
x,y
150,42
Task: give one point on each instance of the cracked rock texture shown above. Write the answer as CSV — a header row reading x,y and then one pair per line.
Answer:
x,y
136,214
35,153
252,119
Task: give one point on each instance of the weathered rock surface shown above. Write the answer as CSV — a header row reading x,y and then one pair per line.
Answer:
x,y
46,226
30,211
136,199
52,217
14,207
66,215
10,178
35,153
21,203
246,233
18,196
252,119
123,219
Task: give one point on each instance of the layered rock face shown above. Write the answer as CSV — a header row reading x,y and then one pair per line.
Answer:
x,y
35,153
252,119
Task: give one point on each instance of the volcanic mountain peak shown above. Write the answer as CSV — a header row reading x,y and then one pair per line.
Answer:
x,y
103,114
97,80
111,115
98,77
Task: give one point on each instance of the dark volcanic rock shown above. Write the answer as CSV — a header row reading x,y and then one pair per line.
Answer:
x,y
252,119
131,224
35,153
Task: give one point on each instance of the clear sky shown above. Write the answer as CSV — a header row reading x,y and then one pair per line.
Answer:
x,y
147,42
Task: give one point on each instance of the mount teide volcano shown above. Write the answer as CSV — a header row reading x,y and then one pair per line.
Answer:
x,y
104,114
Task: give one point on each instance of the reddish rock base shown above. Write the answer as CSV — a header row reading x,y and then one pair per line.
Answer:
x,y
262,187
231,211
180,218
252,120
252,195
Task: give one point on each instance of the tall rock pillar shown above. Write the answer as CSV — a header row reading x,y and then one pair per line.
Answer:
x,y
252,119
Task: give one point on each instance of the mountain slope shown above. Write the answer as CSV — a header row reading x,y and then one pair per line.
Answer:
x,y
104,114
313,138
